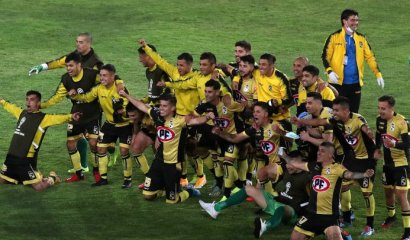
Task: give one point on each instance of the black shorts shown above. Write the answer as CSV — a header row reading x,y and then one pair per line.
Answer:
x,y
315,224
360,165
16,170
205,137
396,177
228,149
163,176
109,133
90,129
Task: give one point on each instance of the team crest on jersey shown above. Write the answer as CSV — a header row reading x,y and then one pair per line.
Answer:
x,y
392,126
246,88
327,171
270,133
80,91
352,140
238,96
361,44
320,184
224,110
222,122
389,137
165,134
270,88
267,147
171,124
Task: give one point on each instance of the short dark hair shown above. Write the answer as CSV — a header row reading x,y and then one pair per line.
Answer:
x,y
131,108
87,35
186,56
328,145
347,13
215,85
142,51
343,101
109,67
312,70
269,57
262,105
34,92
295,154
244,44
389,99
169,98
209,56
248,58
315,95
74,56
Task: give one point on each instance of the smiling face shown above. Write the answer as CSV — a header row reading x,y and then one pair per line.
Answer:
x,y
386,111
308,79
166,109
107,78
265,67
351,23
297,68
206,67
73,68
340,113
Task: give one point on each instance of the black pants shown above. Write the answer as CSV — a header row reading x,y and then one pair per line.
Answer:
x,y
353,92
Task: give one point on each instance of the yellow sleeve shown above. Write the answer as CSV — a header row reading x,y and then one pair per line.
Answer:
x,y
404,127
51,120
57,63
170,69
283,93
235,106
58,96
88,97
371,59
236,78
187,84
11,108
327,94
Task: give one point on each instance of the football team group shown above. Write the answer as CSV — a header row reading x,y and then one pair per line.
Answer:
x,y
241,132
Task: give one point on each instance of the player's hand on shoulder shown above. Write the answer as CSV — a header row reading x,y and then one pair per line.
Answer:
x,y
161,84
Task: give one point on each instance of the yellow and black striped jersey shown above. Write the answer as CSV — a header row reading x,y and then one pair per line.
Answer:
x,y
197,81
224,116
352,134
112,104
396,129
172,136
325,188
187,99
265,140
247,90
48,120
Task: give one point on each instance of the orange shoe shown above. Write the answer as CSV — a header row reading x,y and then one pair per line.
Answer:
x,y
200,182
184,182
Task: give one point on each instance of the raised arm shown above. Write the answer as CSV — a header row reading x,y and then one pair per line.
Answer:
x,y
137,103
58,96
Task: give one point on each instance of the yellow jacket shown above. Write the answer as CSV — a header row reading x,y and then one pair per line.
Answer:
x,y
335,49
187,99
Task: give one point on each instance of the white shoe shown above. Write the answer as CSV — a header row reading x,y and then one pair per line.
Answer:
x,y
260,227
209,208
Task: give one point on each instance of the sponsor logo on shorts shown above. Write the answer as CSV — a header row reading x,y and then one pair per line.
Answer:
x,y
320,183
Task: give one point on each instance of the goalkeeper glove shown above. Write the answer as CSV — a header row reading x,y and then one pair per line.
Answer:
x,y
38,68
380,82
333,77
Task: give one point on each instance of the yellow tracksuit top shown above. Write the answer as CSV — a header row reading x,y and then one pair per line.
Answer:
x,y
187,99
335,49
